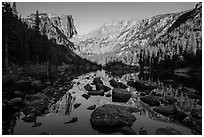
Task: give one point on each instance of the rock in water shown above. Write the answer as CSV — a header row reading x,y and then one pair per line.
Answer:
x,y
88,87
97,80
120,95
106,88
171,100
91,107
86,96
100,92
108,95
167,131
36,124
99,86
19,94
166,110
150,100
113,83
73,120
29,118
142,85
127,131
15,101
77,105
112,116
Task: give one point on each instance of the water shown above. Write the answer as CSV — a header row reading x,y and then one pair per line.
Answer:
x,y
63,111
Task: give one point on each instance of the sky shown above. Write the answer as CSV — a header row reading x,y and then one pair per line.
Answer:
x,y
89,15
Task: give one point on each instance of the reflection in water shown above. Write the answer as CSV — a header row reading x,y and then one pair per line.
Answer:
x,y
64,105
62,110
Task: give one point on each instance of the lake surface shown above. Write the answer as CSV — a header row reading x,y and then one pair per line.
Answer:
x,y
63,110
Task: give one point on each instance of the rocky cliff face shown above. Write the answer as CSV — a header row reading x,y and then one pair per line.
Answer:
x,y
58,28
134,41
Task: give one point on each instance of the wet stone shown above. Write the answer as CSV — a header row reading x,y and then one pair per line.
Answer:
x,y
19,94
15,101
77,105
96,92
88,87
112,116
86,96
108,95
97,80
167,131
36,124
29,118
142,85
73,120
91,107
120,95
150,100
166,110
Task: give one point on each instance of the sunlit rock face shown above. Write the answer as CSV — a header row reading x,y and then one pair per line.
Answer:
x,y
59,28
137,40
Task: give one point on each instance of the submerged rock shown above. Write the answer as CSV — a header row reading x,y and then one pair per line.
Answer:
x,y
150,100
127,131
96,92
170,100
36,124
167,131
166,110
106,88
120,95
116,84
143,131
142,85
99,86
77,105
112,116
73,120
36,104
97,80
91,107
88,87
86,96
15,101
29,118
19,94
108,95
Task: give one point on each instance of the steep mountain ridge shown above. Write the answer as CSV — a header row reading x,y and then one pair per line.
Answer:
x,y
59,28
131,41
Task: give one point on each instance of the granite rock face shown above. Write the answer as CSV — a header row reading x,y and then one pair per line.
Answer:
x,y
59,28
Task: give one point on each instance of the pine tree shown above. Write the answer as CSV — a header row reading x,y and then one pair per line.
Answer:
x,y
37,21
14,10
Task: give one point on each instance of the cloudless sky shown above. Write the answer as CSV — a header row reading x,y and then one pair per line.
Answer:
x,y
89,16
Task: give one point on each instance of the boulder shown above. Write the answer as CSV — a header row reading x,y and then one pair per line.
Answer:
x,y
142,85
19,94
106,88
120,95
96,92
91,107
99,86
15,101
36,104
112,116
167,131
86,96
150,100
113,83
108,95
166,110
116,84
29,118
97,80
77,105
88,87
170,100
36,124
73,120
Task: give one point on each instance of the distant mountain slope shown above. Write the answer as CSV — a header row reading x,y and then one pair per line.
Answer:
x,y
134,41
